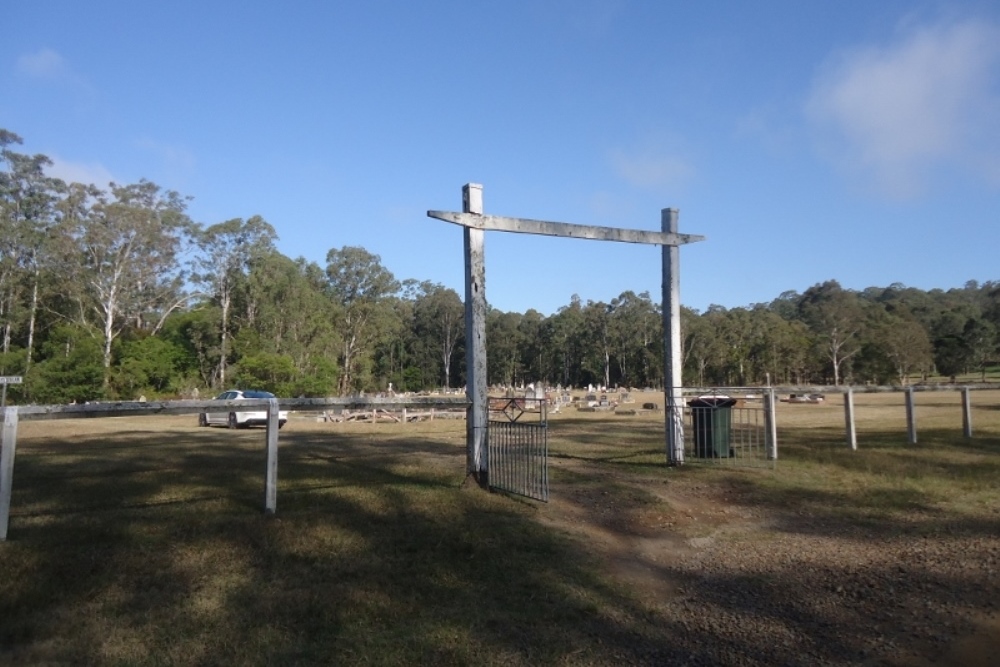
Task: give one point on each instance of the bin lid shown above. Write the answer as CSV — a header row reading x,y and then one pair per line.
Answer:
x,y
712,402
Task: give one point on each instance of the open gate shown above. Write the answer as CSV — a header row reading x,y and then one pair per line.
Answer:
x,y
518,444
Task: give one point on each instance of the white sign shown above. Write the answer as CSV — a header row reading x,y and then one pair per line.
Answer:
x,y
10,379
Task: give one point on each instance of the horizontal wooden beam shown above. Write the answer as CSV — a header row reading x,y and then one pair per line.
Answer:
x,y
564,229
138,408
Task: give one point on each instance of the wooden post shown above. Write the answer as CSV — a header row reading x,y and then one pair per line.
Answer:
x,y
271,475
477,454
8,445
966,413
771,423
672,383
474,223
852,434
911,417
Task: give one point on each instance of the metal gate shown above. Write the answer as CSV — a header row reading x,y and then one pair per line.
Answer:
x,y
730,426
518,444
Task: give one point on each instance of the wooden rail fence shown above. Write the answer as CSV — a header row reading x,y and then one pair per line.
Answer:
x,y
14,414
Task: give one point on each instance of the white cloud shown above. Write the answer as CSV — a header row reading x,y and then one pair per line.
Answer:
x,y
46,64
652,169
178,162
75,172
49,66
898,113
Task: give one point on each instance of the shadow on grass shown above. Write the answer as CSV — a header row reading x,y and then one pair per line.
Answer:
x,y
157,552
143,548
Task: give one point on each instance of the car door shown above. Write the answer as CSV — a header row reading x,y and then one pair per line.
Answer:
x,y
221,417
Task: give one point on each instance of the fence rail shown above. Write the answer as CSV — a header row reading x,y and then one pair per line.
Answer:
x,y
13,414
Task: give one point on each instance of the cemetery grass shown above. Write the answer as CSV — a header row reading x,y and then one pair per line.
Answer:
x,y
143,541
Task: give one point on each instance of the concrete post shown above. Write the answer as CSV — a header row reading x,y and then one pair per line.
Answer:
x,y
8,445
852,433
966,413
672,383
911,417
271,472
771,424
477,454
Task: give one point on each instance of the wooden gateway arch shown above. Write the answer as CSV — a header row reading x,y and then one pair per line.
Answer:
x,y
474,223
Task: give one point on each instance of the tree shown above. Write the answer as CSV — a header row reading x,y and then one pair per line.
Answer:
x,y
226,251
564,333
836,317
439,316
72,370
28,201
124,255
596,318
359,284
906,344
502,347
980,338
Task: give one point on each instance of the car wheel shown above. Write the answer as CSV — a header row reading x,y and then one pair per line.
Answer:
x,y
232,420
202,419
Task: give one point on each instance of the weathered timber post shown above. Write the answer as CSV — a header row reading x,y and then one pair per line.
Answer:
x,y
911,417
271,474
966,413
771,424
475,223
852,433
476,423
672,381
8,445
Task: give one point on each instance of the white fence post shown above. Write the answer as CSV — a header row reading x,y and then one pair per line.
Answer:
x,y
966,413
8,445
771,423
852,434
911,417
271,474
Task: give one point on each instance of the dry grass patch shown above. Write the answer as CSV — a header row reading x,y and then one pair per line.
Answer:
x,y
143,542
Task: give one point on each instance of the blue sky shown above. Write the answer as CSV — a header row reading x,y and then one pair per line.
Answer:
x,y
808,141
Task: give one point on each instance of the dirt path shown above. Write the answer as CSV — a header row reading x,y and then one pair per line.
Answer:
x,y
754,585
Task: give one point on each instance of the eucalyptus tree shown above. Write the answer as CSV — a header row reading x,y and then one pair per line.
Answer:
x,y
785,349
292,325
697,339
359,284
563,333
28,199
597,342
635,330
980,338
226,250
837,317
503,342
904,343
439,321
123,253
531,353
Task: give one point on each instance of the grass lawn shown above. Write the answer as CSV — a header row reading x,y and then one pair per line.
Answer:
x,y
143,541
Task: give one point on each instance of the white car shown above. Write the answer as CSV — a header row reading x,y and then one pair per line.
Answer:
x,y
240,419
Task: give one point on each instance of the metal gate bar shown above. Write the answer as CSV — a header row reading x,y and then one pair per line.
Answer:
x,y
519,459
729,427
519,451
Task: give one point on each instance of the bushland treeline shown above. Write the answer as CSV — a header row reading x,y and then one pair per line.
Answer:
x,y
115,293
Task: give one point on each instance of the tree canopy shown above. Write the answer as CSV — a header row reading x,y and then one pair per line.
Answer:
x,y
115,292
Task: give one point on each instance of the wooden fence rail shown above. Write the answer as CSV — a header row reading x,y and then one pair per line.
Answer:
x,y
12,415
910,403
